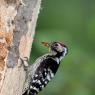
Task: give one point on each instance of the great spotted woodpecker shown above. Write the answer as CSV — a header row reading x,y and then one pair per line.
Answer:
x,y
44,68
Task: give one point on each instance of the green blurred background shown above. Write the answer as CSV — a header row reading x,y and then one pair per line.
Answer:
x,y
71,22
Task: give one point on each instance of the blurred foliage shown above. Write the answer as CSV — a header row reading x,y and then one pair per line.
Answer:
x,y
71,22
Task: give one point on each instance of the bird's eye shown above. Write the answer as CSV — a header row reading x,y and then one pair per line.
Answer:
x,y
56,45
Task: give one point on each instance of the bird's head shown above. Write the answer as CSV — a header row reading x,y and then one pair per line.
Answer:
x,y
56,48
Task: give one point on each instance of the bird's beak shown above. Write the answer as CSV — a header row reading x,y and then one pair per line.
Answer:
x,y
46,44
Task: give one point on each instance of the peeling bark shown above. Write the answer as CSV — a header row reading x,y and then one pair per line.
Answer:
x,y
17,29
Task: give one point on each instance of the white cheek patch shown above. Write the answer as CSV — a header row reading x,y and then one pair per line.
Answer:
x,y
65,51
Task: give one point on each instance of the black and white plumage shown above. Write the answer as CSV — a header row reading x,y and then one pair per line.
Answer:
x,y
44,68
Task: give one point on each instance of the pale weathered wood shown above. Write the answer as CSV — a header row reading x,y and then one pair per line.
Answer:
x,y
17,29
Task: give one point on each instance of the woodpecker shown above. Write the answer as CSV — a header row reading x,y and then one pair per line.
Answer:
x,y
44,68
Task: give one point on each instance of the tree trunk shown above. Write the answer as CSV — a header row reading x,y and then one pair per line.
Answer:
x,y
17,29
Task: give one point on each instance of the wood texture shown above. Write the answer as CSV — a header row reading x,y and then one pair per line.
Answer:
x,y
17,29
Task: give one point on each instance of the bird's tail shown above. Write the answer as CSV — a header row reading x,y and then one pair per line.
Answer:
x,y
30,92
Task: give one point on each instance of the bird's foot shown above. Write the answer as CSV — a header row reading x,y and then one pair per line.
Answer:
x,y
22,3
23,62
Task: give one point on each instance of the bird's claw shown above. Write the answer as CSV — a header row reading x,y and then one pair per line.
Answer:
x,y
23,62
22,3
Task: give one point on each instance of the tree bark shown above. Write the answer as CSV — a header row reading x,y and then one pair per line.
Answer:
x,y
17,29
